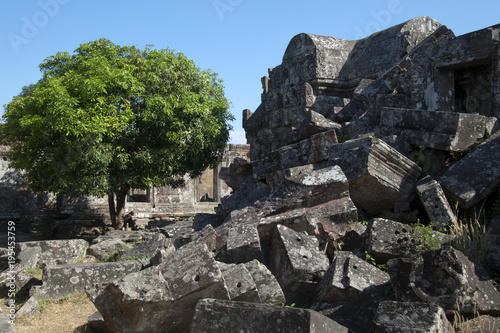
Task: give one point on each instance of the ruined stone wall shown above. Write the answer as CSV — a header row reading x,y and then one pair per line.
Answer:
x,y
419,64
199,195
322,74
16,200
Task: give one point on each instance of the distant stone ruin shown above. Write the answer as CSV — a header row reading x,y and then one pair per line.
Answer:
x,y
353,143
415,80
36,211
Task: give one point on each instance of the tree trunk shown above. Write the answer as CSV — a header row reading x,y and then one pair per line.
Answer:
x,y
117,212
112,210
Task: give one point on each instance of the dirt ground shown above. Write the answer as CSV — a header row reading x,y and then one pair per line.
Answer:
x,y
67,316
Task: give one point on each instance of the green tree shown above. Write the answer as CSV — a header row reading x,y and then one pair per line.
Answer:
x,y
109,118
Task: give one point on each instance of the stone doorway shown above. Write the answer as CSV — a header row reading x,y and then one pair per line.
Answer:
x,y
473,90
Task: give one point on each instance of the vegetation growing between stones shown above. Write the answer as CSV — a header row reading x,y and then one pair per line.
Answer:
x,y
36,272
426,237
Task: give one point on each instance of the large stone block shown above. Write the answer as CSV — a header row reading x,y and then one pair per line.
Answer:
x,y
139,302
236,173
443,130
308,186
314,123
388,239
228,316
379,176
436,205
239,283
476,175
57,252
107,248
445,277
148,248
243,243
5,324
267,286
297,263
28,258
356,316
404,317
351,279
64,280
308,151
248,193
162,298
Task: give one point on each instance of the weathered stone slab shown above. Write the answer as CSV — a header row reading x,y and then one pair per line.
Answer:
x,y
28,258
126,236
378,175
229,316
57,252
30,308
297,220
64,280
445,277
388,239
239,283
180,233
297,264
249,192
108,248
97,323
237,173
5,325
148,248
314,123
407,317
200,273
450,131
476,175
136,303
309,151
356,316
435,203
328,220
308,186
243,244
268,287
162,298
351,279
209,236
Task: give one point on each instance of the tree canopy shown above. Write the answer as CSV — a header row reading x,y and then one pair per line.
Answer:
x,y
108,118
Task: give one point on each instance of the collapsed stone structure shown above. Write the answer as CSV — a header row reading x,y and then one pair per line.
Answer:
x,y
347,131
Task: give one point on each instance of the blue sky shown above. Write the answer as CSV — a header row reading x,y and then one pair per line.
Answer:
x,y
238,39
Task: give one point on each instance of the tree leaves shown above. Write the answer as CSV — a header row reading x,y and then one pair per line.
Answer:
x,y
107,116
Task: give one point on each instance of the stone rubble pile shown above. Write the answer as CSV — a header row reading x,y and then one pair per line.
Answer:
x,y
391,129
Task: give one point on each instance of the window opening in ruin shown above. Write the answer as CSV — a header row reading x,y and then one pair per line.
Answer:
x,y
136,195
473,90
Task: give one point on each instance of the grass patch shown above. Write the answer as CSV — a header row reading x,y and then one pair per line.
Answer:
x,y
427,237
66,315
36,272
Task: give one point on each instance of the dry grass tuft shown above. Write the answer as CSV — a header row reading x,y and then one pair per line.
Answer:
x,y
469,236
